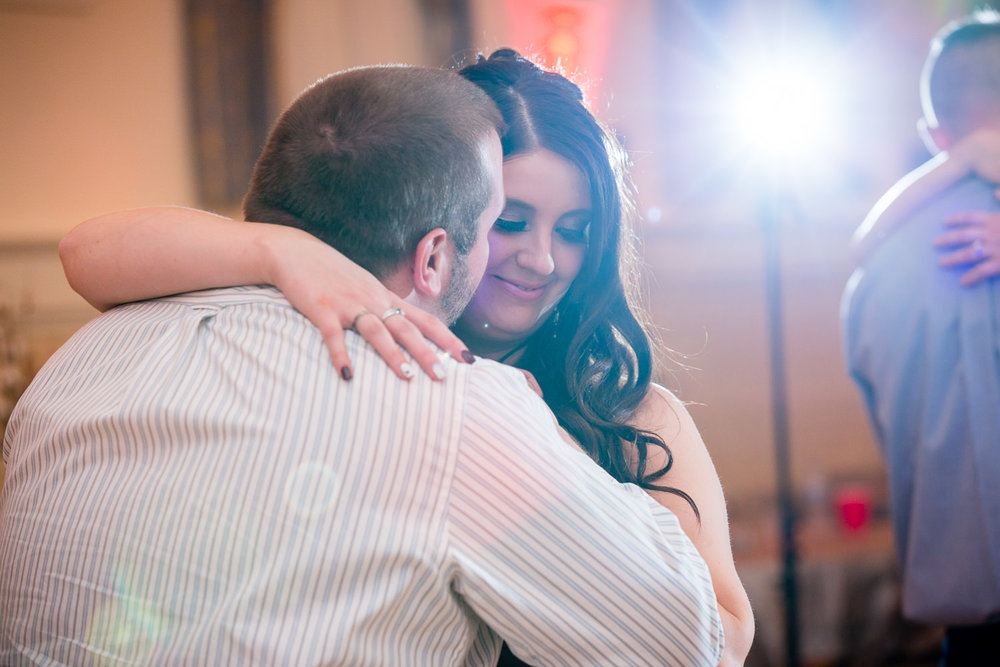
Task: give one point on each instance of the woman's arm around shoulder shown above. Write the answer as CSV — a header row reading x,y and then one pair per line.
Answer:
x,y
150,252
976,153
694,473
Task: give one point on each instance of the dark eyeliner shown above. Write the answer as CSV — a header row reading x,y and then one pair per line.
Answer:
x,y
509,225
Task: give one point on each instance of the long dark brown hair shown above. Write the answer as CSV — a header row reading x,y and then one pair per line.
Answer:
x,y
592,357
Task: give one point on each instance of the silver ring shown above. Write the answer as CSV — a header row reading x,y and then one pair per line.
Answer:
x,y
354,322
392,311
977,249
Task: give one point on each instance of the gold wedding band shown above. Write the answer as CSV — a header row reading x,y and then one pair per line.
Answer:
x,y
392,311
354,323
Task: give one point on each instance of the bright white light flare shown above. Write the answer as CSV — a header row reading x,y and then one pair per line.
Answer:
x,y
785,114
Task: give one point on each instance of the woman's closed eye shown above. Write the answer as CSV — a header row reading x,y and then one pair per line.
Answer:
x,y
573,234
510,226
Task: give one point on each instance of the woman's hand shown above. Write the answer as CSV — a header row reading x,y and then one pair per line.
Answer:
x,y
978,152
336,294
974,237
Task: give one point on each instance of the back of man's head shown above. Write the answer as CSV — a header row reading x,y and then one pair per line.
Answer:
x,y
960,83
371,159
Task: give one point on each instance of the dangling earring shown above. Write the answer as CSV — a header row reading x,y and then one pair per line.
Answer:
x,y
555,322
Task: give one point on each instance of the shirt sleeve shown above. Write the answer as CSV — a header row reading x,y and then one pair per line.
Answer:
x,y
568,565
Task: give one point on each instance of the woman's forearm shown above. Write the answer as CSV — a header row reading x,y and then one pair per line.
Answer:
x,y
901,199
149,252
152,252
977,152
694,473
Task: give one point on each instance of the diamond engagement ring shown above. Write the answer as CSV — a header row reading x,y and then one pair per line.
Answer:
x,y
392,311
977,249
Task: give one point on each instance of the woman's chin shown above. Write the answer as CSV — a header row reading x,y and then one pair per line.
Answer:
x,y
491,338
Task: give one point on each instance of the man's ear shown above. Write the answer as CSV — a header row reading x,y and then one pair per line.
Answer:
x,y
432,263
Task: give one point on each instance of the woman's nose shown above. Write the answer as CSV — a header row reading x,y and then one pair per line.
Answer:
x,y
536,255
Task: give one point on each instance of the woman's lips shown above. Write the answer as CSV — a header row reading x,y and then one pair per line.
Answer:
x,y
521,291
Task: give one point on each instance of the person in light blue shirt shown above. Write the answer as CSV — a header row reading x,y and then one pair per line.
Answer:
x,y
924,351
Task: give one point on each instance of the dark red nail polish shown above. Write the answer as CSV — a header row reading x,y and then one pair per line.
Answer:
x,y
345,373
468,356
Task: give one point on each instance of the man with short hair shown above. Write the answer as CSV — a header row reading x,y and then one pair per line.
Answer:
x,y
190,481
923,350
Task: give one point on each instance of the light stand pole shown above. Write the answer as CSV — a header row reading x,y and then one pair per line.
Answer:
x,y
784,115
770,224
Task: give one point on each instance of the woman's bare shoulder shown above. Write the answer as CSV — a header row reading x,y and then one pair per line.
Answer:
x,y
663,413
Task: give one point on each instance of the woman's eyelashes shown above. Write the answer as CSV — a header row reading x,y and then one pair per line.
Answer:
x,y
575,234
510,226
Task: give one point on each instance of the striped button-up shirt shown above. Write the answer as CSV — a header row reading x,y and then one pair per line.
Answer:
x,y
189,481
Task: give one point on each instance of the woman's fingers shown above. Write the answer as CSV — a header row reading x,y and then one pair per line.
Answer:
x,y
334,340
399,327
415,329
975,218
985,269
380,318
370,326
335,295
965,227
406,334
982,254
974,238
968,253
438,332
959,236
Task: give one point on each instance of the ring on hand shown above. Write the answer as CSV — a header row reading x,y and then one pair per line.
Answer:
x,y
977,249
354,322
392,311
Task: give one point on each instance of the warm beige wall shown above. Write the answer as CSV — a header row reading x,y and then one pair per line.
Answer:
x,y
94,113
314,38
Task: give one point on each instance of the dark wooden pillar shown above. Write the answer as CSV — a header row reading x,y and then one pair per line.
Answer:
x,y
228,53
448,31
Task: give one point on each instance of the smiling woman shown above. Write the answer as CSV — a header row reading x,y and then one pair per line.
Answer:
x,y
537,247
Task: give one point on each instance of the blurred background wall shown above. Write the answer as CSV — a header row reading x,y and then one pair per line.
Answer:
x,y
100,111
